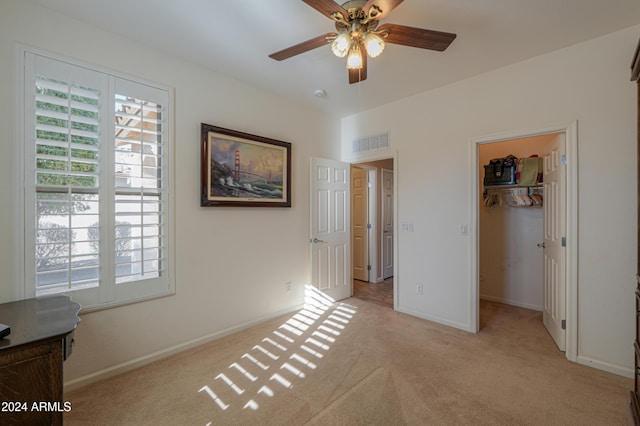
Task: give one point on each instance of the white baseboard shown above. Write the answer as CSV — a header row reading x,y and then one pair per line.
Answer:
x,y
511,302
439,320
164,353
605,366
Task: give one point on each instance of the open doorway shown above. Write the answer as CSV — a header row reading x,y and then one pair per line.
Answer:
x,y
526,252
372,231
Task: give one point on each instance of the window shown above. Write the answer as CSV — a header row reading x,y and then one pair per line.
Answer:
x,y
97,185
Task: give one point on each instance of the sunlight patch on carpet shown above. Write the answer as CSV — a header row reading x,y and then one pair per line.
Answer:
x,y
277,362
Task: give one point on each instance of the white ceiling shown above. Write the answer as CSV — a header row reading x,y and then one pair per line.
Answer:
x,y
234,37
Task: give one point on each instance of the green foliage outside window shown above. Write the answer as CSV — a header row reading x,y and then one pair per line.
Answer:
x,y
71,122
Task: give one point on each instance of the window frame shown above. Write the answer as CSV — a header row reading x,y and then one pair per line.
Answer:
x,y
107,294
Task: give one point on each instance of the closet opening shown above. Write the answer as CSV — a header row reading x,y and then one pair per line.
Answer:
x,y
522,228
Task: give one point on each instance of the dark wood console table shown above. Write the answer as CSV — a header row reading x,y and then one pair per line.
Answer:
x,y
31,359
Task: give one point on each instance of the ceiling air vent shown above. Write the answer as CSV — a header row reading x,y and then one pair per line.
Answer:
x,y
371,143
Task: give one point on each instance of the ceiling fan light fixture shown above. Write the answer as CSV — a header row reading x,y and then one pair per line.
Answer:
x,y
358,34
354,60
374,45
340,46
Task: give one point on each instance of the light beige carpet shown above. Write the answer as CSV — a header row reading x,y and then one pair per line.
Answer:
x,y
358,363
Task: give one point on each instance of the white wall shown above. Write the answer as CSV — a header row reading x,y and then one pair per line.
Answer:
x,y
510,260
231,263
433,132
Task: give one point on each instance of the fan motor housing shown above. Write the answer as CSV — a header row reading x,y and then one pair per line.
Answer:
x,y
353,5
357,19
355,10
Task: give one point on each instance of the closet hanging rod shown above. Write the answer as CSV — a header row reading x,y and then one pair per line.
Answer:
x,y
536,186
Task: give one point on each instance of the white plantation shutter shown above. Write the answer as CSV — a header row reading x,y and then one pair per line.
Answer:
x,y
64,110
141,186
97,206
67,181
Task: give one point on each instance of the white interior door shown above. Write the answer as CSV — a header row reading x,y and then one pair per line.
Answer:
x,y
330,227
359,224
387,223
555,225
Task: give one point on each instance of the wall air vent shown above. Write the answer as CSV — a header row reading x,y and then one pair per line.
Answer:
x,y
371,143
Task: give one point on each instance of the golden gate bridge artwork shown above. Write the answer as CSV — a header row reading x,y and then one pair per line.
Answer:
x,y
242,182
237,172
240,169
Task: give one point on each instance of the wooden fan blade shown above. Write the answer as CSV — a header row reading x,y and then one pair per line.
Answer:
x,y
386,6
417,37
356,76
302,47
327,7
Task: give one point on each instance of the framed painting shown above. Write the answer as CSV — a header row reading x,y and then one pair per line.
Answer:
x,y
239,169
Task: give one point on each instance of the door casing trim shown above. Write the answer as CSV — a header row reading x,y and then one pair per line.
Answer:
x,y
571,132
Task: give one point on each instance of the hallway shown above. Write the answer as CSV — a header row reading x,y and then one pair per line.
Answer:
x,y
379,293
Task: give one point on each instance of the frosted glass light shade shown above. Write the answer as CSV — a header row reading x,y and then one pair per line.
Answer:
x,y
340,46
374,44
354,60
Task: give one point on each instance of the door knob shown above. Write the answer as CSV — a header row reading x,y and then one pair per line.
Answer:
x,y
316,241
541,245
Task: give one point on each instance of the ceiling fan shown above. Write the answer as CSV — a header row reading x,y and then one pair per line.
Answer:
x,y
358,34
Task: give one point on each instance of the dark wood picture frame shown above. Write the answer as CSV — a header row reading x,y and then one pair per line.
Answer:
x,y
240,169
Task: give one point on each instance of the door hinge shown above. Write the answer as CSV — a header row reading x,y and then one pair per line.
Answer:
x,y
563,159
368,267
564,241
368,226
564,324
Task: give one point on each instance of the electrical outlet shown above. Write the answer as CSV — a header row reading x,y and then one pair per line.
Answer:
x,y
287,286
419,288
